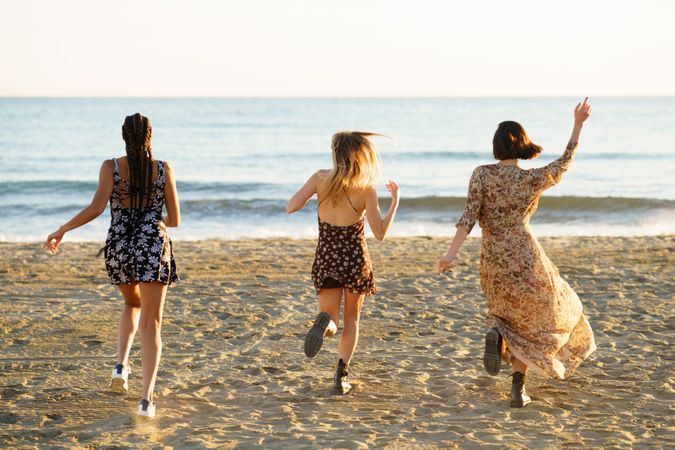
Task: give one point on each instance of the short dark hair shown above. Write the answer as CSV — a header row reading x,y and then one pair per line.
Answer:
x,y
511,142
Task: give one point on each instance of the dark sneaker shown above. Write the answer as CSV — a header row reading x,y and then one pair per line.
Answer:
x,y
341,384
519,397
492,359
314,339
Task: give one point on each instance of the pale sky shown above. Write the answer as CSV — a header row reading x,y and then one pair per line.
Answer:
x,y
360,48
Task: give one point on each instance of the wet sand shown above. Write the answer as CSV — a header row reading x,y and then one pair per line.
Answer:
x,y
233,372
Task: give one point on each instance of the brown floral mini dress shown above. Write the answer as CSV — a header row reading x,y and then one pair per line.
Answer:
x,y
533,308
342,259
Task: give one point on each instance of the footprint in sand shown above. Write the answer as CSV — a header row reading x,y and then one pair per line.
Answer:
x,y
92,342
51,419
12,391
8,417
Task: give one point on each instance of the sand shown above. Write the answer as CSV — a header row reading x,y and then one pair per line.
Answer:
x,y
233,372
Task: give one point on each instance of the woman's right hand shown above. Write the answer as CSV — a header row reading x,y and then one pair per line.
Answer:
x,y
53,241
445,263
582,111
393,189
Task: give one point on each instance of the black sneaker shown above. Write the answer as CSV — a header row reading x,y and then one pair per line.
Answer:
x,y
492,359
519,397
341,384
314,339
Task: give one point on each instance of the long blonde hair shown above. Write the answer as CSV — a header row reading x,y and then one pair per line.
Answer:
x,y
356,164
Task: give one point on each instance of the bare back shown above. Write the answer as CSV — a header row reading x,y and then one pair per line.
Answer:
x,y
343,210
123,168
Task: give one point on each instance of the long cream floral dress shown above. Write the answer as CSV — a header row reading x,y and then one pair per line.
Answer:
x,y
534,309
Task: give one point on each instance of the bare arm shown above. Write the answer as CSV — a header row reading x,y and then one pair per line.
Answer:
x,y
307,191
466,222
445,263
551,174
172,218
581,113
378,224
90,212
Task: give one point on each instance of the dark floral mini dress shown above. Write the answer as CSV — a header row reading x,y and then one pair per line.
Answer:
x,y
138,248
342,255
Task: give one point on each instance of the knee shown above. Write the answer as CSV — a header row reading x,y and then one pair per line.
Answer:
x,y
150,325
132,305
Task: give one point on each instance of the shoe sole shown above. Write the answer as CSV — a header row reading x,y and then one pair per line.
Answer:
x,y
117,385
492,359
314,338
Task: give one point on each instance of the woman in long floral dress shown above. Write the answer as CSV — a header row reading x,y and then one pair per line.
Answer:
x,y
535,319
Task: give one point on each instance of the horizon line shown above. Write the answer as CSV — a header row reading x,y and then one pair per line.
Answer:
x,y
327,97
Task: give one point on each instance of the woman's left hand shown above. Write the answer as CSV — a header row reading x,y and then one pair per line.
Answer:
x,y
445,263
53,241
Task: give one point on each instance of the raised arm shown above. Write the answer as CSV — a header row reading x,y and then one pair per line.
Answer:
x,y
90,212
551,174
378,224
172,218
307,191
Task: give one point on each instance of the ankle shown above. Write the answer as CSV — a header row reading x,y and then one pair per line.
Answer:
x,y
519,377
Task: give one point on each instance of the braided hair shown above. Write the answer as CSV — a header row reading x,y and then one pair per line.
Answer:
x,y
137,132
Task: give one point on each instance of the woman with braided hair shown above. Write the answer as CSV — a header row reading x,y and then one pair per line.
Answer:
x,y
138,250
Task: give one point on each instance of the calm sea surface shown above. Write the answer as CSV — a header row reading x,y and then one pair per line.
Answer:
x,y
237,161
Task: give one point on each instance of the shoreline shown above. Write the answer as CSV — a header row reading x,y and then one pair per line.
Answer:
x,y
233,372
370,238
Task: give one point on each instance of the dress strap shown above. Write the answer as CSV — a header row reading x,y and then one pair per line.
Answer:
x,y
352,205
116,174
348,199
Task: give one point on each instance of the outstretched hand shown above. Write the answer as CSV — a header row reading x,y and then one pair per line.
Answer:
x,y
393,189
582,111
53,241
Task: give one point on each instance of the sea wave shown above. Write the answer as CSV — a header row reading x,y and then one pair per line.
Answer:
x,y
596,204
36,187
563,206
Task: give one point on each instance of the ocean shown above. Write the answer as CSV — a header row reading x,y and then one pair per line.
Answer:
x,y
238,161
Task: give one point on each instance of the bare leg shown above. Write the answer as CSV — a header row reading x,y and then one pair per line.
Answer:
x,y
131,313
518,366
152,307
329,302
350,333
505,353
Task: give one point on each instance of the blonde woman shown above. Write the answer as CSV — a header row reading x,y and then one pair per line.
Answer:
x,y
535,319
342,266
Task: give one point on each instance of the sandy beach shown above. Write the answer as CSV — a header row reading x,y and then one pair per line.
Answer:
x,y
233,373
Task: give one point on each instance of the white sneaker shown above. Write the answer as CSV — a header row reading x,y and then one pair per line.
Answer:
x,y
146,409
119,381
